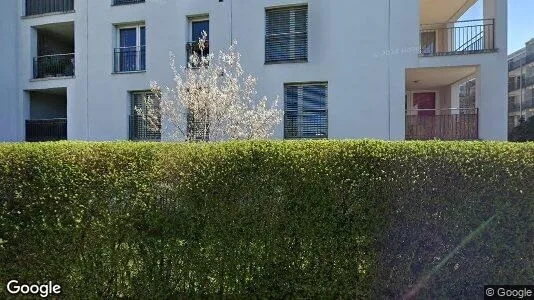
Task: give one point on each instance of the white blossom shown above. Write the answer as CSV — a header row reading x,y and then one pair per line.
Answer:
x,y
216,93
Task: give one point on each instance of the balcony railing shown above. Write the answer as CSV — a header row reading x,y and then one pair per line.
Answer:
x,y
123,2
38,7
46,130
513,86
516,108
58,65
516,85
462,37
517,63
194,47
130,59
513,107
446,124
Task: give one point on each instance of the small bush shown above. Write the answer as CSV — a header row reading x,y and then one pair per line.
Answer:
x,y
360,219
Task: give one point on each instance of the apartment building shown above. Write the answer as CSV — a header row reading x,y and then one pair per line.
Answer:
x,y
384,69
521,85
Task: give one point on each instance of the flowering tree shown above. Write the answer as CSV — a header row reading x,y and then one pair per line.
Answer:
x,y
212,99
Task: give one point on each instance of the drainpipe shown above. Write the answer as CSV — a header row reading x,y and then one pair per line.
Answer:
x,y
87,71
231,22
389,70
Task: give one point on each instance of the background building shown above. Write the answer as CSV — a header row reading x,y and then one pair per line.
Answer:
x,y
521,85
380,69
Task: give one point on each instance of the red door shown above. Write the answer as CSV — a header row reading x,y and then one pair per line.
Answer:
x,y
425,103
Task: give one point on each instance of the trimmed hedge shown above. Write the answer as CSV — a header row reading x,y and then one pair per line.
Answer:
x,y
359,219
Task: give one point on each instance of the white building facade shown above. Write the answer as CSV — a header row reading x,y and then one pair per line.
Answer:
x,y
383,69
521,85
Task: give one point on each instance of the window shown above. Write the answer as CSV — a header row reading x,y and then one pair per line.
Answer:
x,y
428,42
197,27
140,130
468,97
130,55
286,36
306,111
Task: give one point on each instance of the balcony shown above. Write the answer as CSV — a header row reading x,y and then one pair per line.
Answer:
x,y
513,107
125,2
39,7
54,55
451,124
46,130
518,63
47,115
517,84
528,104
458,38
59,65
130,59
442,103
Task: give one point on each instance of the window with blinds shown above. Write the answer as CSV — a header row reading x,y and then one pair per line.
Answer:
x,y
306,111
286,36
139,127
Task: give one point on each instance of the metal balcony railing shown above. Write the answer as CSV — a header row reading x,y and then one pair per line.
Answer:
x,y
516,85
129,59
462,37
445,124
46,130
513,107
516,108
518,63
58,65
38,7
123,2
513,86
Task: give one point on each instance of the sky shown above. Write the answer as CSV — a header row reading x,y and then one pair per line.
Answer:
x,y
520,21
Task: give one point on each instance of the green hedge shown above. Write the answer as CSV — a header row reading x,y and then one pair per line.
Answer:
x,y
363,219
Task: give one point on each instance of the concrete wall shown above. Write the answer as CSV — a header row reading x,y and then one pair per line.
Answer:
x,y
361,48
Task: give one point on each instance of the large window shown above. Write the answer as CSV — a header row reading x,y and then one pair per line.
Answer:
x,y
306,111
286,36
130,55
140,129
